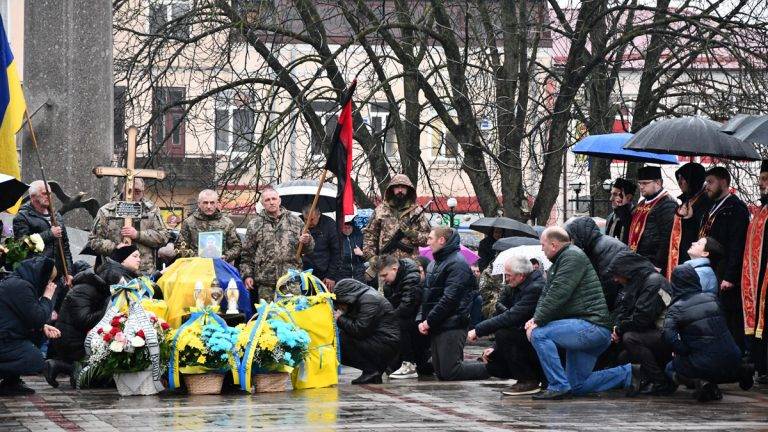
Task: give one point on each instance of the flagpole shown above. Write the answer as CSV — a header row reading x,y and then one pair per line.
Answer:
x,y
54,223
315,200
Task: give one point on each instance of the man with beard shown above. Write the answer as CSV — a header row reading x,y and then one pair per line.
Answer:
x,y
617,224
727,223
754,284
652,218
694,203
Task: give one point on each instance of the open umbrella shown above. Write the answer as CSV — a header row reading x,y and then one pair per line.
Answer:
x,y
11,190
297,194
748,128
511,227
610,146
466,252
691,136
526,251
505,243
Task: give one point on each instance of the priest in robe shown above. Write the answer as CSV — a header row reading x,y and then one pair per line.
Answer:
x,y
652,218
694,203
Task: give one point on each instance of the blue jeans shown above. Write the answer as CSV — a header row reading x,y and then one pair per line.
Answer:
x,y
583,343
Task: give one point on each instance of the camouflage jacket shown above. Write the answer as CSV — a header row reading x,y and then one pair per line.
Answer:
x,y
199,222
385,222
270,247
152,234
490,288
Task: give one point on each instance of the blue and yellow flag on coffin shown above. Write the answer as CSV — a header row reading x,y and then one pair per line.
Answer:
x,y
12,107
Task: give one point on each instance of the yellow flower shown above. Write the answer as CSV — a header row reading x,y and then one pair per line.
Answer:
x,y
201,359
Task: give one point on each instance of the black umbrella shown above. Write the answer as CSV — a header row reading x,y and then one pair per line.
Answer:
x,y
505,243
297,194
748,128
11,190
511,227
691,136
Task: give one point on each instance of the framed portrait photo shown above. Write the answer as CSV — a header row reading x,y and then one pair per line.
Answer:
x,y
210,244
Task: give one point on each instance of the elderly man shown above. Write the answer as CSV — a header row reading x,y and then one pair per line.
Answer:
x,y
271,241
652,218
147,232
34,218
572,315
324,259
207,218
512,355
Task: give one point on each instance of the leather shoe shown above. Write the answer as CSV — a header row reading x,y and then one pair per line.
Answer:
x,y
53,368
552,395
370,377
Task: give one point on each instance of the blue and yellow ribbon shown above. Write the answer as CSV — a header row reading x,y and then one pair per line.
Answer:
x,y
123,295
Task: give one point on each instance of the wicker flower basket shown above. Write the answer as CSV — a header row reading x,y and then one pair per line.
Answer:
x,y
271,382
136,383
204,384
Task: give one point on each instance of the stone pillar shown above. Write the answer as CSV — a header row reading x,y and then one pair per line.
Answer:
x,y
68,62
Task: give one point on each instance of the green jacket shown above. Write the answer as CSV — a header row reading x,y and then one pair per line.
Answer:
x,y
573,290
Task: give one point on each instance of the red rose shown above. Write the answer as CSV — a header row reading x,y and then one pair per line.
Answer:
x,y
114,331
165,326
140,334
115,322
152,320
100,331
107,337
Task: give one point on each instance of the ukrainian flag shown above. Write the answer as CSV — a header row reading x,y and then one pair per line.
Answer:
x,y
12,108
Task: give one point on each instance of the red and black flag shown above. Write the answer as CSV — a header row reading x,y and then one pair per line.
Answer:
x,y
340,157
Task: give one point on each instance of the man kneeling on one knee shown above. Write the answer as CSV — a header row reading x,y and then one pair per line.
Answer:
x,y
572,315
512,356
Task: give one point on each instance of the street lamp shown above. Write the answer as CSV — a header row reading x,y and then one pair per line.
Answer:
x,y
607,185
451,210
576,187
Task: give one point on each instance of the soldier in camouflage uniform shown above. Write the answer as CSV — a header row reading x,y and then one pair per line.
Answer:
x,y
490,287
271,241
394,213
148,233
208,217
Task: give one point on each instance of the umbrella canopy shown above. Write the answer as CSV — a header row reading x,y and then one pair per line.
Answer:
x,y
748,128
511,227
691,136
466,252
526,251
297,194
11,190
610,146
505,243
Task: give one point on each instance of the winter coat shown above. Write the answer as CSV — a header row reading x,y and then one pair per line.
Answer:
x,y
654,243
324,258
405,292
351,265
707,276
572,290
84,306
695,326
28,221
617,223
730,229
600,249
642,301
486,252
520,306
369,316
23,309
199,222
450,287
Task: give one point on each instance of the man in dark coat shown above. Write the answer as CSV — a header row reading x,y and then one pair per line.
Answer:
x,y
641,303
697,331
402,287
351,264
449,292
324,258
512,355
694,203
601,249
25,308
727,222
652,218
368,329
617,223
485,248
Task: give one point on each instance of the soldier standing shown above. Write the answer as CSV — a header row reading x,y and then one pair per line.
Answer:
x,y
270,246
207,218
148,232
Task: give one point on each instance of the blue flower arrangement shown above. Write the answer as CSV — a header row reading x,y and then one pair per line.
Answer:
x,y
219,340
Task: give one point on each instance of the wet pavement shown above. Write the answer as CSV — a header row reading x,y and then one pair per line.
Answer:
x,y
406,405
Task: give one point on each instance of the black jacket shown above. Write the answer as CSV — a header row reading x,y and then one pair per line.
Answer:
x,y
84,306
641,301
730,229
369,316
694,174
28,221
520,305
654,243
617,224
600,249
324,259
405,292
449,287
23,310
695,326
486,252
351,265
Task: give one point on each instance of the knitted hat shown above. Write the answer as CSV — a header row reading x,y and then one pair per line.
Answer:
x,y
120,254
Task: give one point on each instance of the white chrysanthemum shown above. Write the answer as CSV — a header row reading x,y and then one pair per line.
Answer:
x,y
137,342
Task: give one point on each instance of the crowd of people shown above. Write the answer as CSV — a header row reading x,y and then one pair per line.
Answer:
x,y
671,293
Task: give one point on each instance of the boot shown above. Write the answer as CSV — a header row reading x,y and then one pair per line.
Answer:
x,y
53,368
368,377
14,387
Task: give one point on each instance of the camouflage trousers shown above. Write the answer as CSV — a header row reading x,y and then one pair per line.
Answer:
x,y
266,291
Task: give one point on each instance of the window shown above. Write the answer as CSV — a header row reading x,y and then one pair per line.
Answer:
x,y
170,125
378,122
444,143
119,126
161,12
235,123
326,111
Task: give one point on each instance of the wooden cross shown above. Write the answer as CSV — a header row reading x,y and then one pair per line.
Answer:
x,y
129,173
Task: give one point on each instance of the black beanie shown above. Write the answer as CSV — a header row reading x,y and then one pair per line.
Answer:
x,y
120,254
